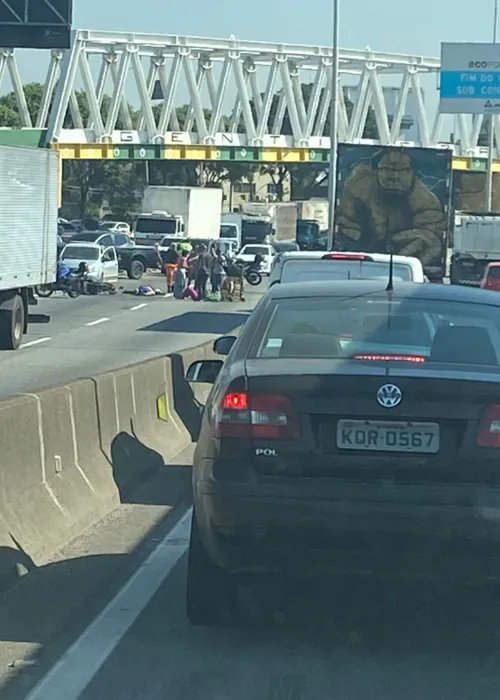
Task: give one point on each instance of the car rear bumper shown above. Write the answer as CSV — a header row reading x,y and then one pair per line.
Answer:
x,y
347,528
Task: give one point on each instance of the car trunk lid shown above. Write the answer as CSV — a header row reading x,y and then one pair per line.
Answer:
x,y
346,432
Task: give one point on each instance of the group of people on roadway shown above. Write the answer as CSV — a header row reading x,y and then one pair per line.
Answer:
x,y
189,270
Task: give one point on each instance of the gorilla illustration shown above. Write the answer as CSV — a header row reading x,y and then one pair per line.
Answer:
x,y
387,206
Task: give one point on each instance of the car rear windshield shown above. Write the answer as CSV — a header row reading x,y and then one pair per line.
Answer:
x,y
318,270
149,224
494,272
87,237
80,252
228,231
378,329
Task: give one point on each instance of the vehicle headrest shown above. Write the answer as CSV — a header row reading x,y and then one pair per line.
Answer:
x,y
303,328
463,345
310,346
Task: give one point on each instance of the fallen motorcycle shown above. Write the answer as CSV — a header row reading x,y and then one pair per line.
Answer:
x,y
70,285
74,285
93,287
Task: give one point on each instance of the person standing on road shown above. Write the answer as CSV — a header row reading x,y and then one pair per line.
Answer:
x,y
201,271
192,261
218,271
233,284
181,275
170,259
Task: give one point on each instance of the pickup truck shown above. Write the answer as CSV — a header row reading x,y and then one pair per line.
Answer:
x,y
132,259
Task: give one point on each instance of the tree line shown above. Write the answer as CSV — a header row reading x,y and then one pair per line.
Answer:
x,y
88,186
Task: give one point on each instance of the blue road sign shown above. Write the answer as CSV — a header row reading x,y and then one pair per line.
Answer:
x,y
470,78
480,85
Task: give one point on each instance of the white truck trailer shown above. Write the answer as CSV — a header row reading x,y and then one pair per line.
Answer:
x,y
314,210
190,212
476,242
285,221
29,201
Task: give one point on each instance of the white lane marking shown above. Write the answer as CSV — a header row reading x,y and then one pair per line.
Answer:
x,y
80,664
137,307
30,343
99,320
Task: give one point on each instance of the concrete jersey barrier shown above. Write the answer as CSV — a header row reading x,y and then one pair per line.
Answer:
x,y
71,453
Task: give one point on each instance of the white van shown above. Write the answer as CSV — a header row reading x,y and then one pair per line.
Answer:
x,y
310,266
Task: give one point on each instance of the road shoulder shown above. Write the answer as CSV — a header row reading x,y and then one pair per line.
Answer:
x,y
43,614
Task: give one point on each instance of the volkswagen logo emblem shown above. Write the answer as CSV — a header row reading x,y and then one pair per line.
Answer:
x,y
389,395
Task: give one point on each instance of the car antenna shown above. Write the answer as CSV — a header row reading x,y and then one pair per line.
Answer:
x,y
390,283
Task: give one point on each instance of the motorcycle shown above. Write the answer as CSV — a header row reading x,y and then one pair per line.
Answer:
x,y
93,287
251,272
74,283
70,285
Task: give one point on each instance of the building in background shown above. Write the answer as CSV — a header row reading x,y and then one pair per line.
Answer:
x,y
261,188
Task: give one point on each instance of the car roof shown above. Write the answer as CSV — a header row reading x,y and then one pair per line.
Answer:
x,y
82,244
402,290
494,264
318,255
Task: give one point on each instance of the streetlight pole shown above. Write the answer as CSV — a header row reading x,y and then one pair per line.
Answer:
x,y
332,178
491,133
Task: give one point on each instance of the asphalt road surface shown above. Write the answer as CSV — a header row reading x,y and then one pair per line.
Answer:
x,y
95,334
96,625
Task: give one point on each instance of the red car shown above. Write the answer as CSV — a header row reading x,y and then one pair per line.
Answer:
x,y
491,279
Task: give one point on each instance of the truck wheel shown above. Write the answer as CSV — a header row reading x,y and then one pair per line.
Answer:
x,y
45,290
136,270
210,591
12,323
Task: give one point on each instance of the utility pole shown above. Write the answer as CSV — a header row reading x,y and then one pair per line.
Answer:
x,y
491,133
332,179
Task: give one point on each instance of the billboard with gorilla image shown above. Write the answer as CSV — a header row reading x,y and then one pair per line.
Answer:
x,y
395,198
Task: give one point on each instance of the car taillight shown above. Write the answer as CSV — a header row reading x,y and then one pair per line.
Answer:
x,y
258,416
418,359
343,256
488,434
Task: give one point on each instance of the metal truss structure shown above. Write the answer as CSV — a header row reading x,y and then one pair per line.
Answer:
x,y
153,89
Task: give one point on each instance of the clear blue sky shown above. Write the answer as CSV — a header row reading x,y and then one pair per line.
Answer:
x,y
387,25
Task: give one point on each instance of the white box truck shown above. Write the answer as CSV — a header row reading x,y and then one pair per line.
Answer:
x,y
190,212
476,242
314,210
29,202
285,221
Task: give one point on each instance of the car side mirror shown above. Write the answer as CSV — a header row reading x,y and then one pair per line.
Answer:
x,y
223,345
204,371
